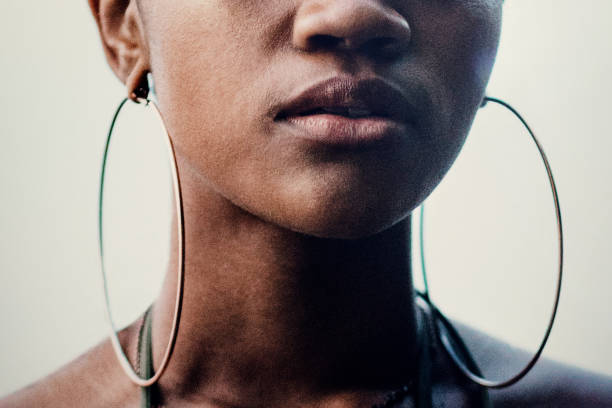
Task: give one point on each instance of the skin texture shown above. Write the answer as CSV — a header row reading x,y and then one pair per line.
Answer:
x,y
298,287
257,53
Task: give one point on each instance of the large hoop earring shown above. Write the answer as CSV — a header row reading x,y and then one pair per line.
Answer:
x,y
141,96
449,337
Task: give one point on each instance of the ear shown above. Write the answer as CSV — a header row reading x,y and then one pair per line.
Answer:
x,y
122,35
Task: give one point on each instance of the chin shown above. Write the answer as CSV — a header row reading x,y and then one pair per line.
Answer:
x,y
341,205
352,221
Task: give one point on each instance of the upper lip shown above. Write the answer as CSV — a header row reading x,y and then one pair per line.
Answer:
x,y
373,95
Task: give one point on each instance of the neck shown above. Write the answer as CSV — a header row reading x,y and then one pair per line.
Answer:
x,y
270,310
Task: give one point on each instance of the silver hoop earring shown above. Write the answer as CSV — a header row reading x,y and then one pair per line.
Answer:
x,y
142,97
449,337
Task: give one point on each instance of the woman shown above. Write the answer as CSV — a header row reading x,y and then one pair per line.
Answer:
x,y
306,132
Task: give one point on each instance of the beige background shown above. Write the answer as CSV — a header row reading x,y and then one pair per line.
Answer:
x,y
490,226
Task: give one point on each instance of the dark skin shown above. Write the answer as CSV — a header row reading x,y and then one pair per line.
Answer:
x,y
298,284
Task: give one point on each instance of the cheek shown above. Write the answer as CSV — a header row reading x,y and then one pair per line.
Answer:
x,y
459,44
214,71
456,43
204,65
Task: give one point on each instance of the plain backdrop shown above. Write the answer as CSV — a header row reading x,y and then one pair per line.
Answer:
x,y
490,227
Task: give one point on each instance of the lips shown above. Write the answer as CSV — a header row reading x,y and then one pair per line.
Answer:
x,y
350,97
346,111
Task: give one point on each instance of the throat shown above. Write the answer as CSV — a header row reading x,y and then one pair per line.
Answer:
x,y
354,334
270,312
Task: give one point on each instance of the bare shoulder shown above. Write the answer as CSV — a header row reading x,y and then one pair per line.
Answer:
x,y
549,384
92,380
559,385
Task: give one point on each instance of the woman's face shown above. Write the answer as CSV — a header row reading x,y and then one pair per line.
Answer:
x,y
397,84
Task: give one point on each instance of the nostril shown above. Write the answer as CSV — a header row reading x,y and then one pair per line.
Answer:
x,y
383,42
350,25
381,47
324,41
385,47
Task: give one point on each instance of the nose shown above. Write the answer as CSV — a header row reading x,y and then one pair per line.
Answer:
x,y
366,25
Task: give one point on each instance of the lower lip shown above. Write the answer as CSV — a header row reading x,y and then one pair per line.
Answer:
x,y
344,131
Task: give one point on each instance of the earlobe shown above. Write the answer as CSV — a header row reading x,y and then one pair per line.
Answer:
x,y
137,83
122,37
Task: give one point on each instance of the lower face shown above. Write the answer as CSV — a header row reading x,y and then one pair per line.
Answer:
x,y
222,68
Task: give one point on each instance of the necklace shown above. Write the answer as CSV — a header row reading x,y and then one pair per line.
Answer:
x,y
395,397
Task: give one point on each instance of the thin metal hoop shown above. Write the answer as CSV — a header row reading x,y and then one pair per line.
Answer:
x,y
123,360
448,334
